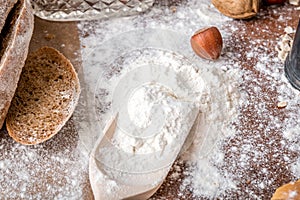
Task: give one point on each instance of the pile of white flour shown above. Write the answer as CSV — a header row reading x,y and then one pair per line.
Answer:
x,y
155,104
164,97
219,102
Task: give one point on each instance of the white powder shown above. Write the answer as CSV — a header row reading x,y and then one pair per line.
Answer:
x,y
157,110
53,169
140,105
219,101
169,90
233,155
224,162
164,109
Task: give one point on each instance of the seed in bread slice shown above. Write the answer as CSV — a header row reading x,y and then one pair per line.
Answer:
x,y
46,96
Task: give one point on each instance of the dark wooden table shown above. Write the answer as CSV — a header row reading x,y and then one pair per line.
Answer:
x,y
254,124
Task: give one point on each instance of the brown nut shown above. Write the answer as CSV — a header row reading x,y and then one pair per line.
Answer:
x,y
288,191
237,9
207,43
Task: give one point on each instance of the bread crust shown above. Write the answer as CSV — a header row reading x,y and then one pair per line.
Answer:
x,y
14,55
46,97
6,6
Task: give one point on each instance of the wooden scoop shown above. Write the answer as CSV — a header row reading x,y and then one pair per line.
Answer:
x,y
104,184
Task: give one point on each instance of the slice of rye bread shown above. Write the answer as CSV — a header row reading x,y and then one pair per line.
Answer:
x,y
46,97
14,43
5,8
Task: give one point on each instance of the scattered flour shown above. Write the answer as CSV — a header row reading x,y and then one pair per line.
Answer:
x,y
229,158
219,102
53,169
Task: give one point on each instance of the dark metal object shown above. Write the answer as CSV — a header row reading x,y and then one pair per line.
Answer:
x,y
292,62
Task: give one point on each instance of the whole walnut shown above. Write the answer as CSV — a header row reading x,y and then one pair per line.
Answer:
x,y
237,9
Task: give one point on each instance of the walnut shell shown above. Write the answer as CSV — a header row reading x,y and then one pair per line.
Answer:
x,y
237,9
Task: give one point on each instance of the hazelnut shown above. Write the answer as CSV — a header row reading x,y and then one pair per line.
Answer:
x,y
237,9
207,43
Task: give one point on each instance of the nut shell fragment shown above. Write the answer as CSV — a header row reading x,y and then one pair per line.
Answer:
x,y
282,104
237,9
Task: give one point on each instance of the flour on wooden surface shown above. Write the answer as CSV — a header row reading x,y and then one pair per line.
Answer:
x,y
53,169
221,101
